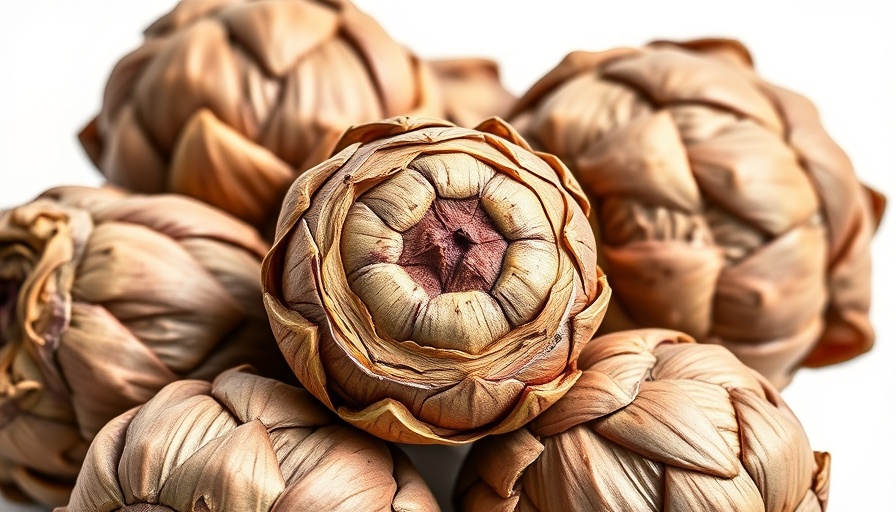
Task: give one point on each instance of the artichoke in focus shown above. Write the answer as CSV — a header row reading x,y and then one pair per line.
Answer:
x,y
242,443
228,100
105,298
721,206
433,284
656,422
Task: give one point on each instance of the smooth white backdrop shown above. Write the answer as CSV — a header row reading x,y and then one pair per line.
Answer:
x,y
55,57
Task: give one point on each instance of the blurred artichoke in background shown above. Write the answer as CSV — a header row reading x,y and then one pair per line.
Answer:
x,y
434,284
472,90
105,298
228,101
243,443
721,206
656,422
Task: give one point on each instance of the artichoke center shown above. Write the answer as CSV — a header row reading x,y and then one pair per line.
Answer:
x,y
454,248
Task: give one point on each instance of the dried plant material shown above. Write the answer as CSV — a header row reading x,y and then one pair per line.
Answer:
x,y
228,101
433,284
656,422
105,298
722,207
472,90
243,443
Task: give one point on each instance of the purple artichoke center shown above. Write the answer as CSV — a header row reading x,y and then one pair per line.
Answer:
x,y
454,248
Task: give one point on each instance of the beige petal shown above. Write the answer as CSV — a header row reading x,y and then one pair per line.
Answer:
x,y
402,200
515,209
702,363
466,321
279,33
664,424
472,89
129,148
216,164
527,275
514,451
645,159
183,14
236,471
413,495
454,175
366,240
481,497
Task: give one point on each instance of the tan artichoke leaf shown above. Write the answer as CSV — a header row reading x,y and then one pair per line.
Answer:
x,y
776,452
686,439
689,490
238,469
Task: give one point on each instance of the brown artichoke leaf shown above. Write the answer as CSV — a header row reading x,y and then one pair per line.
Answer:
x,y
128,372
528,273
127,148
268,30
775,291
663,423
598,475
776,452
163,437
413,495
216,164
402,200
321,480
515,450
372,240
99,489
689,490
666,284
235,471
646,159
684,362
275,404
754,174
484,402
170,315
186,77
183,14
669,76
482,497
451,185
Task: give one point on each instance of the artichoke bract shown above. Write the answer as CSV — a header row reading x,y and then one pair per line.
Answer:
x,y
472,90
656,422
106,298
228,100
242,443
721,206
434,284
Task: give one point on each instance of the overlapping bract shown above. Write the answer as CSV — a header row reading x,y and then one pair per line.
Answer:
x,y
434,284
656,422
228,100
722,207
242,443
106,299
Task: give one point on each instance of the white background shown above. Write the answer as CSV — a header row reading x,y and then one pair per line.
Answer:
x,y
55,57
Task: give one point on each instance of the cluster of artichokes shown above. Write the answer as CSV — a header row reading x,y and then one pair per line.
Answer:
x,y
291,189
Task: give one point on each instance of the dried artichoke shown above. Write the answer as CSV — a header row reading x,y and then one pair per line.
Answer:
x,y
228,100
242,443
721,206
472,90
433,284
656,422
105,298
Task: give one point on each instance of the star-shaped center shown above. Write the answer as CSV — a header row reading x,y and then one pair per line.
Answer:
x,y
454,248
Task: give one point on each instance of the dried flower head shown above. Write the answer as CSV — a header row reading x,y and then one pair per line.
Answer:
x,y
434,284
104,299
721,206
228,100
472,90
656,422
242,443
